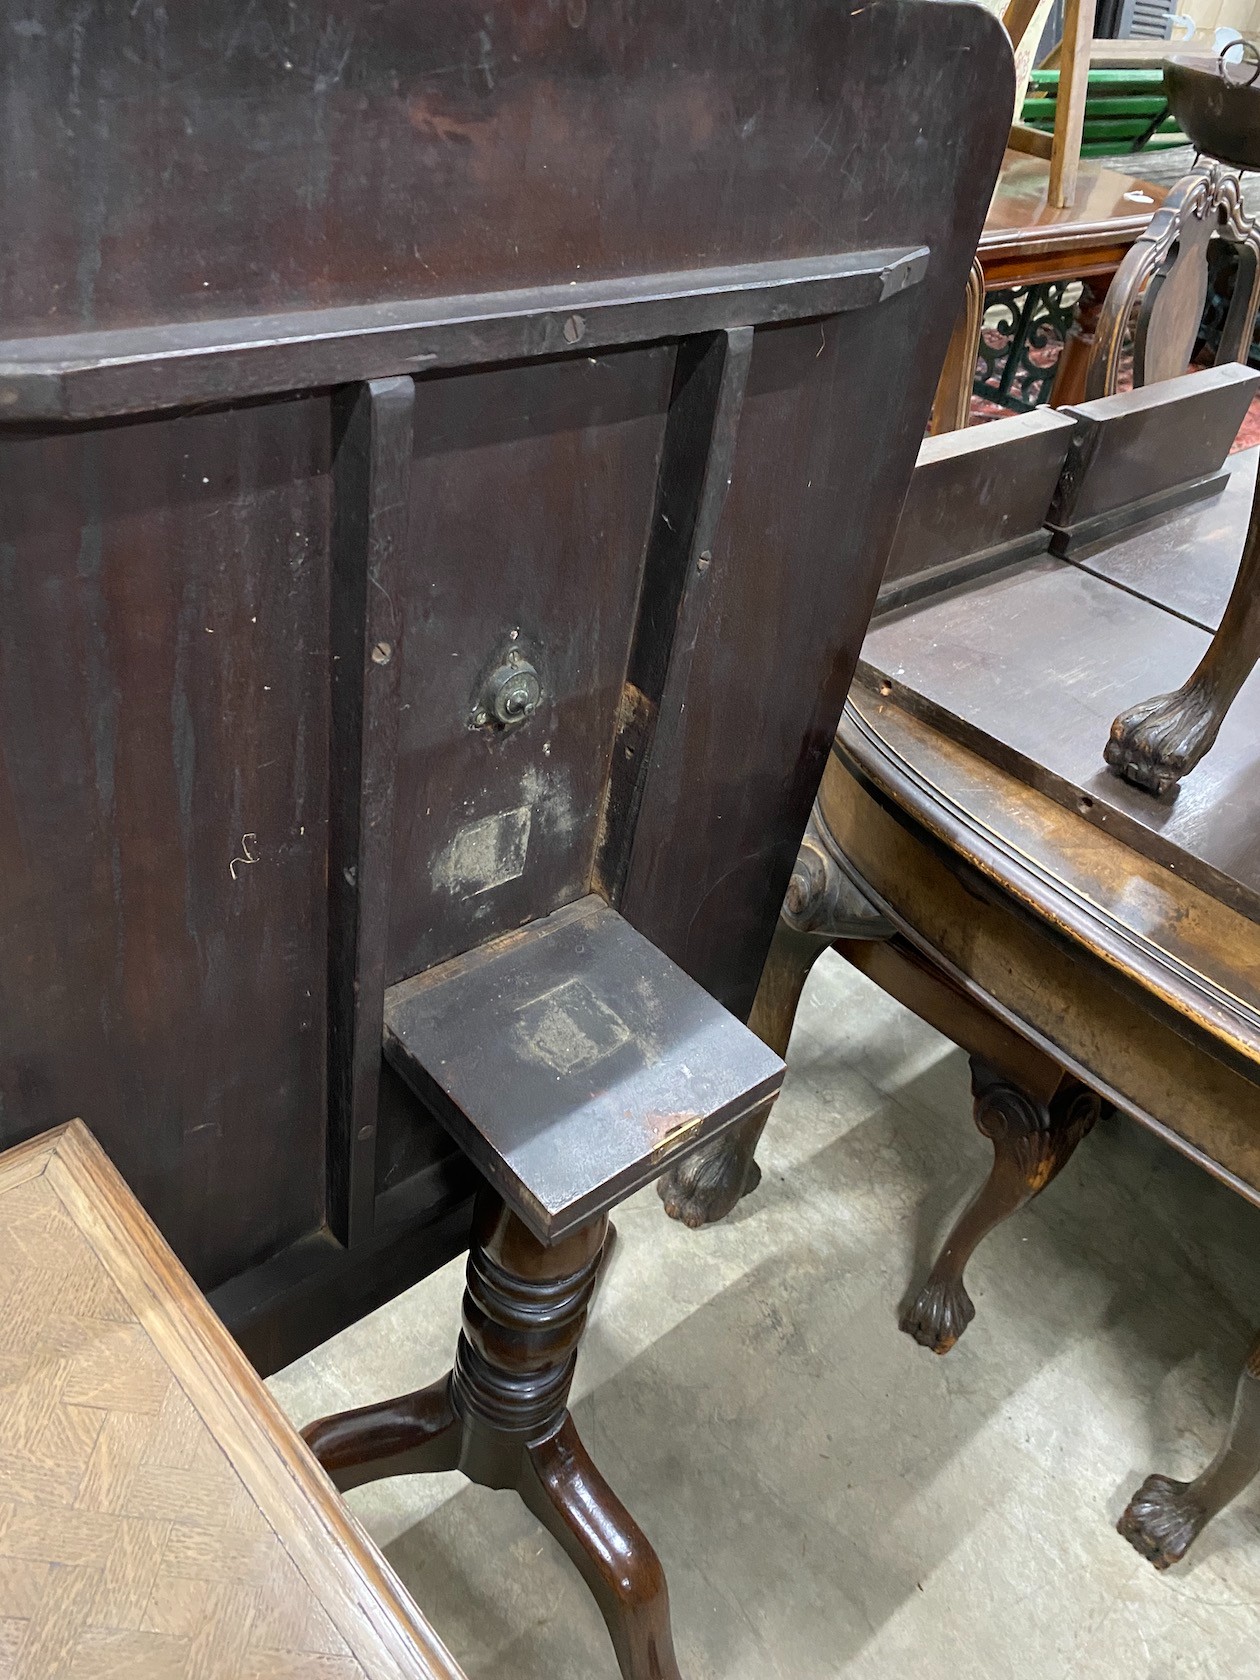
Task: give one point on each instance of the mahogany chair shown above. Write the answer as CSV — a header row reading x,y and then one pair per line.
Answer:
x,y
1160,289
971,853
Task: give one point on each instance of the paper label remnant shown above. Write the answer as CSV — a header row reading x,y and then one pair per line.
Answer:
x,y
484,854
569,1029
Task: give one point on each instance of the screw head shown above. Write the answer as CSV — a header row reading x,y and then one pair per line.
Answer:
x,y
382,653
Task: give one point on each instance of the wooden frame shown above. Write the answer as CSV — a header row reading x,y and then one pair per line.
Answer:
x,y
348,1578
1063,149
1164,276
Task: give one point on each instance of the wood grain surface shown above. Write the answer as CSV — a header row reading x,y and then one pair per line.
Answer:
x,y
1027,241
158,1515
246,211
1141,984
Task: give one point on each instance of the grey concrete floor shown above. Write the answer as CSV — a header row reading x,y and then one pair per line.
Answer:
x,y
829,1499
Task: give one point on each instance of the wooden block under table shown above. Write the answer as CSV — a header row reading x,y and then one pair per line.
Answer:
x,y
1140,453
977,501
573,1062
158,1515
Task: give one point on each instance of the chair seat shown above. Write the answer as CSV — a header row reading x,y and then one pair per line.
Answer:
x,y
573,1061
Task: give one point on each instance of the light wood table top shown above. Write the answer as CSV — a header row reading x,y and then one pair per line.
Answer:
x,y
158,1514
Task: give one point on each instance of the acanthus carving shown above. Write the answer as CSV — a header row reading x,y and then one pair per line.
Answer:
x,y
1032,1142
822,897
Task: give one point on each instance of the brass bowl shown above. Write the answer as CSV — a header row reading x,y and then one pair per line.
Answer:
x,y
1217,105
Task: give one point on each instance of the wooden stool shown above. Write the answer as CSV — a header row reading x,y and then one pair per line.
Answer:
x,y
158,1514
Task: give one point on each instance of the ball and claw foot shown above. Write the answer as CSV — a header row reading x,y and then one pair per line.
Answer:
x,y
1157,743
1163,1519
705,1186
940,1313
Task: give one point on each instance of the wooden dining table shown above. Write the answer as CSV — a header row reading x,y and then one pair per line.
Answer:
x,y
1027,244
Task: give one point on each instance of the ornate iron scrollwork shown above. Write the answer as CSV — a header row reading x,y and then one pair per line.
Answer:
x,y
1021,339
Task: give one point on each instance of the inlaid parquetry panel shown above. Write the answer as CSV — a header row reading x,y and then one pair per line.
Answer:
x,y
139,1497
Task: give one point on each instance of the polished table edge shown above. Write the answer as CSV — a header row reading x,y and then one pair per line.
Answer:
x,y
354,1584
1065,248
1176,1095
1226,1023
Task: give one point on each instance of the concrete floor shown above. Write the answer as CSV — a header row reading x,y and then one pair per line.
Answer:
x,y
829,1499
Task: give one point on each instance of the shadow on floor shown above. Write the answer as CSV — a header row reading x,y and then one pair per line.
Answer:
x,y
828,1498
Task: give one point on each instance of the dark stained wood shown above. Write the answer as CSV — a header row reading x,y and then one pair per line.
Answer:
x,y
533,215
493,827
371,472
303,1295
1042,931
501,1416
1026,909
163,811
1187,560
573,1062
600,531
1165,1517
717,823
1032,1142
821,903
1165,276
87,376
1129,633
710,375
957,660
1139,983
1156,742
1141,452
977,501
229,211
221,166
